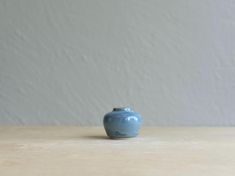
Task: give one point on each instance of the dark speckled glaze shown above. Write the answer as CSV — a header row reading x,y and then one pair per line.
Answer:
x,y
122,123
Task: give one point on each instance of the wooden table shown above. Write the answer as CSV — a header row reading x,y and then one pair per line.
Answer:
x,y
77,151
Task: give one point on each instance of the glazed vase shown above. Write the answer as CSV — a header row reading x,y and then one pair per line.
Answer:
x,y
122,123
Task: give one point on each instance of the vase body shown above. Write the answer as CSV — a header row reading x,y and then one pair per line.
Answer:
x,y
122,123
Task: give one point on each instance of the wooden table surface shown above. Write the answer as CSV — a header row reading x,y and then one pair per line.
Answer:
x,y
77,151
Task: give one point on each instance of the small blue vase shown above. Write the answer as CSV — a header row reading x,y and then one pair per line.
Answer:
x,y
122,123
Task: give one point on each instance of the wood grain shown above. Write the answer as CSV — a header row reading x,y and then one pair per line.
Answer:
x,y
74,151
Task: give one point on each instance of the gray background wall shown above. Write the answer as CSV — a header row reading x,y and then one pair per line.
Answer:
x,y
71,61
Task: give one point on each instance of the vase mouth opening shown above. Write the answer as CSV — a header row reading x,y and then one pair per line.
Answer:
x,y
122,109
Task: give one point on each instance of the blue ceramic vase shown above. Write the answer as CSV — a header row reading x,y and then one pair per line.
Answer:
x,y
122,123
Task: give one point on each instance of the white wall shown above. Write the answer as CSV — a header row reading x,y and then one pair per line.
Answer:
x,y
71,61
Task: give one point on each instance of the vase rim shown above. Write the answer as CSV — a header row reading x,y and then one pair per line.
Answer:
x,y
122,109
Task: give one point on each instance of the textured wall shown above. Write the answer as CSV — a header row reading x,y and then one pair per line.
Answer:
x,y
69,62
